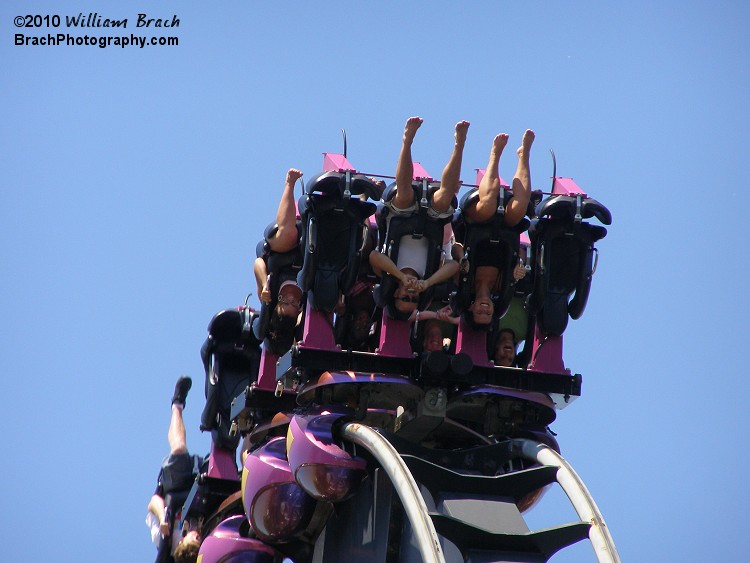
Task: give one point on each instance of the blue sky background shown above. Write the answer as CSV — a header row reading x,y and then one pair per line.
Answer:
x,y
135,183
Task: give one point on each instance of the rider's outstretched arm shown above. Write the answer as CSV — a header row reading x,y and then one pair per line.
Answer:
x,y
382,264
156,507
261,280
444,273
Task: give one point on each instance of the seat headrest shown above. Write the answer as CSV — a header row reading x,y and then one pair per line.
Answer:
x,y
565,206
592,208
470,197
226,325
322,203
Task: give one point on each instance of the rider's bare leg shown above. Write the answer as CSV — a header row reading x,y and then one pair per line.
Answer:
x,y
490,185
450,181
176,432
521,186
405,167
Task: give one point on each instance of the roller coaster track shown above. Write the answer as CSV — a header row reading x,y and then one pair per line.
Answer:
x,y
410,476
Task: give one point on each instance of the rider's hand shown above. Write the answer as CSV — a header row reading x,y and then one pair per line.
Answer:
x,y
421,285
293,175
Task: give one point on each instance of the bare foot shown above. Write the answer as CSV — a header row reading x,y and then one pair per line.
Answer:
x,y
293,175
498,145
410,129
525,148
462,128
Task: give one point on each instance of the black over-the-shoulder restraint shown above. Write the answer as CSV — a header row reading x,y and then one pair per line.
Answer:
x,y
333,234
563,250
231,359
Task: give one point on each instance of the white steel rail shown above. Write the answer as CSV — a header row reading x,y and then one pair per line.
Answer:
x,y
407,489
583,502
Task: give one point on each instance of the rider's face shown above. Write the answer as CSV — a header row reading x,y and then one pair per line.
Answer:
x,y
405,299
505,351
288,304
433,338
482,309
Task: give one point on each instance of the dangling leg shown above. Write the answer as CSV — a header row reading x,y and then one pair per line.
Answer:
x,y
490,185
285,238
521,182
405,168
176,433
450,181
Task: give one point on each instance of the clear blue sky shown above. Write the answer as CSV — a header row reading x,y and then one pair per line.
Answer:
x,y
135,183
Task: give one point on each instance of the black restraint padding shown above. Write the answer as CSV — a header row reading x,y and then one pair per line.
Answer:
x,y
235,352
335,183
332,239
567,249
560,206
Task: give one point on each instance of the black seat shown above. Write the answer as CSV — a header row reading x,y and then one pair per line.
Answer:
x,y
231,358
333,234
563,252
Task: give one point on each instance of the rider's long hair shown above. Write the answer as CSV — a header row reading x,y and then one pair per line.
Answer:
x,y
280,333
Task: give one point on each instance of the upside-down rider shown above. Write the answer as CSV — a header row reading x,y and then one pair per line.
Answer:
x,y
409,270
487,276
178,471
285,238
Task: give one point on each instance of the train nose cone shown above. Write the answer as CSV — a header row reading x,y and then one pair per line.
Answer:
x,y
321,467
275,505
228,543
